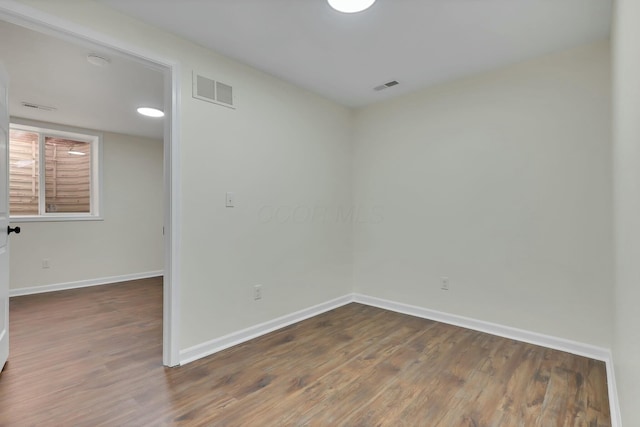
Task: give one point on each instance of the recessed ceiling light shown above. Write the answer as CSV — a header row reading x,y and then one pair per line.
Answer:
x,y
98,60
150,112
350,6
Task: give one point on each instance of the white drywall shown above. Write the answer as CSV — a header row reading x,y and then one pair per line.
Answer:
x,y
626,351
502,183
129,239
285,152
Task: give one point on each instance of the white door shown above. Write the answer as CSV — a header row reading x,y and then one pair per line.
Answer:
x,y
4,218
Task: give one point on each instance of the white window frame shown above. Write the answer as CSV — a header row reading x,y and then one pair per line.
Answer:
x,y
77,134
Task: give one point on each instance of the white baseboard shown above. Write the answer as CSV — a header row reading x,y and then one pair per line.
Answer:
x,y
83,283
573,347
210,347
614,403
587,350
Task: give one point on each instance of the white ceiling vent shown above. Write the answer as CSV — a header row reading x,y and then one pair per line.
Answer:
x,y
213,91
386,85
37,106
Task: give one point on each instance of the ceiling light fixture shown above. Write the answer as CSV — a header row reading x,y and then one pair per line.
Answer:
x,y
150,112
98,60
350,6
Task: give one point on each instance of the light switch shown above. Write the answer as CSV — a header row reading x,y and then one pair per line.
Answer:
x,y
231,199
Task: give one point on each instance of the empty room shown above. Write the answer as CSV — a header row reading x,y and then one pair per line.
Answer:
x,y
356,213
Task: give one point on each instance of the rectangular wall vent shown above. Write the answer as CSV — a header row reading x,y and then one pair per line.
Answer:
x,y
213,91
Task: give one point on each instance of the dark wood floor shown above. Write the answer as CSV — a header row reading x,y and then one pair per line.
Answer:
x,y
92,357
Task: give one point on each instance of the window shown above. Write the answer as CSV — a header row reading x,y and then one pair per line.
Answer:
x,y
53,174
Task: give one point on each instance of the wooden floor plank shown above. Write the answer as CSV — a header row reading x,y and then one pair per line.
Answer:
x,y
92,357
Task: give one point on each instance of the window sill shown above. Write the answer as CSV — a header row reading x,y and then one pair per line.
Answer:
x,y
61,218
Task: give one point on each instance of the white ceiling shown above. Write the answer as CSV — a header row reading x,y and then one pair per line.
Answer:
x,y
341,56
49,71
416,42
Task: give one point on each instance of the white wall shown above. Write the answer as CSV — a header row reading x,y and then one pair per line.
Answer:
x,y
282,148
626,80
129,239
500,182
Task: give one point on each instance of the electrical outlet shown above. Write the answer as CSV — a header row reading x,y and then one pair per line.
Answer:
x,y
444,283
46,263
257,292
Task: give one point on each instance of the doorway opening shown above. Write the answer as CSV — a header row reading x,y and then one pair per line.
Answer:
x,y
42,24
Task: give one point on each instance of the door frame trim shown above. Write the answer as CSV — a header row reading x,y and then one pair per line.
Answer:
x,y
35,19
